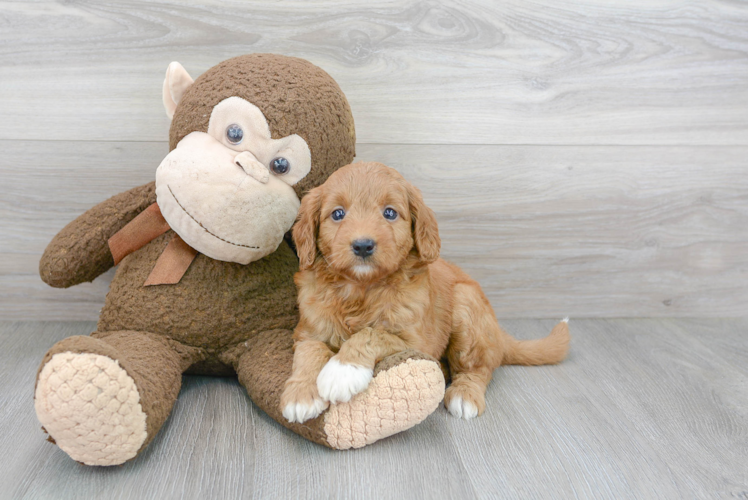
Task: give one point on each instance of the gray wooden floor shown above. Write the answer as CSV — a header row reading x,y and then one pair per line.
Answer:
x,y
648,408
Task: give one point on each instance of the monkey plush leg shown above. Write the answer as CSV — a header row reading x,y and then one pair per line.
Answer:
x,y
350,370
405,389
103,398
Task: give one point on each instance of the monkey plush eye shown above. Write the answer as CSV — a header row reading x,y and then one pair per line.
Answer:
x,y
389,213
338,214
234,134
280,166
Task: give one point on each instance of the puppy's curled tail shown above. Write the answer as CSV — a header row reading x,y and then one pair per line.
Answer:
x,y
547,351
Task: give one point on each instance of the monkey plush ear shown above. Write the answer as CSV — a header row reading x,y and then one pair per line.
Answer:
x,y
425,228
306,227
176,83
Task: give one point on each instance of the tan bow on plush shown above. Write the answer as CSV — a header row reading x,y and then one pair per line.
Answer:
x,y
147,226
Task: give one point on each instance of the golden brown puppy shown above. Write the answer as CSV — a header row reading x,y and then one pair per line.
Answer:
x,y
372,284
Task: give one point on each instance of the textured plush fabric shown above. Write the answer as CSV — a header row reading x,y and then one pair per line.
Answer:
x,y
402,394
214,306
407,387
288,91
155,363
400,357
264,364
227,210
80,252
411,354
92,406
221,318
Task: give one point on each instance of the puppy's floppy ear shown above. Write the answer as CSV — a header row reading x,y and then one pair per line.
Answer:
x,y
425,228
306,228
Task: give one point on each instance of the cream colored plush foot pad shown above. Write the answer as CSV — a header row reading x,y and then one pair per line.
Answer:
x,y
396,400
91,408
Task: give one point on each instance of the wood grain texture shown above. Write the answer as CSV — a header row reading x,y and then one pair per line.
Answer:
x,y
478,72
639,403
641,409
547,231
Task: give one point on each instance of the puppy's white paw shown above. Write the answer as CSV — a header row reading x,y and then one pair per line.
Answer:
x,y
460,408
301,412
338,383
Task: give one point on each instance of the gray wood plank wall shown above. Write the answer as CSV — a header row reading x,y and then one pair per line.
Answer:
x,y
586,158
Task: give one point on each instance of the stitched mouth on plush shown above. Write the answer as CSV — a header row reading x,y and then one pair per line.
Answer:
x,y
216,207
206,229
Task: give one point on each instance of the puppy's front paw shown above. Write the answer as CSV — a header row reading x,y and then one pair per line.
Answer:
x,y
301,412
300,403
338,383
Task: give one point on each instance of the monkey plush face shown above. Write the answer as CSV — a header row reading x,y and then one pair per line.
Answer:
x,y
252,135
228,192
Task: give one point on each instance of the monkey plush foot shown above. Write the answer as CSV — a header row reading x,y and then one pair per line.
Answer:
x,y
91,407
404,391
103,398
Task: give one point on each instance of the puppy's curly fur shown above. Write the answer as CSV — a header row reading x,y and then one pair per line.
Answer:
x,y
393,293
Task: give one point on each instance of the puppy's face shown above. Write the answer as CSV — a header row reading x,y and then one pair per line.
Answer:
x,y
365,221
365,226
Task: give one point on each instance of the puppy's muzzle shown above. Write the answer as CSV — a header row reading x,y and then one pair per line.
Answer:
x,y
363,248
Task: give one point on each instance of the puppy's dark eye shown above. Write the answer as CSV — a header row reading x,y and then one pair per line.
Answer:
x,y
280,166
234,134
338,214
389,213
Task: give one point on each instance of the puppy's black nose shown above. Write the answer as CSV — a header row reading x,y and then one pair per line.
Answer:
x,y
363,248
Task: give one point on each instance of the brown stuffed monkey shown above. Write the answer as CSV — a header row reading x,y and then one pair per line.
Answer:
x,y
205,277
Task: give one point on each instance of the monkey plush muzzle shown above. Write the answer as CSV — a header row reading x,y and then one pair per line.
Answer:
x,y
217,207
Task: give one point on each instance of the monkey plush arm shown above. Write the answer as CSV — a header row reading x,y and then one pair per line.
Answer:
x,y
80,252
